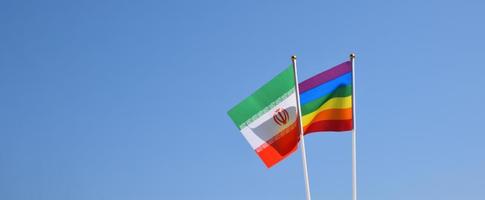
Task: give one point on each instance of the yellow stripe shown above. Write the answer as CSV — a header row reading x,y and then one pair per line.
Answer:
x,y
334,103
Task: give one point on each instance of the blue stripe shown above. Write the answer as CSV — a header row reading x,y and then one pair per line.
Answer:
x,y
325,88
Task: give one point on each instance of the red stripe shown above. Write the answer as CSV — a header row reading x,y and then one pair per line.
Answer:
x,y
280,146
329,125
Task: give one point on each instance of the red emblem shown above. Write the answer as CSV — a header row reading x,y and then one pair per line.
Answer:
x,y
281,116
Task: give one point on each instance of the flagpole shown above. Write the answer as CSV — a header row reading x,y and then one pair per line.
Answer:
x,y
354,129
302,139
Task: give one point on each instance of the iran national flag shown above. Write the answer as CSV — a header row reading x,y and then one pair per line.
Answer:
x,y
268,119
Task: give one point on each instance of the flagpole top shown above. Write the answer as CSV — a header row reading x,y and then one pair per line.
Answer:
x,y
293,57
352,56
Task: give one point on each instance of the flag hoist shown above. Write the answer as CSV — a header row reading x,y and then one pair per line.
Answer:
x,y
354,136
276,116
302,139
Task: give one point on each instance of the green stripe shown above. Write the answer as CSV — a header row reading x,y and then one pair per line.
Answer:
x,y
311,106
263,97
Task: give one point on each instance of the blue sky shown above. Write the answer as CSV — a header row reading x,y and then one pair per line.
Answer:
x,y
128,99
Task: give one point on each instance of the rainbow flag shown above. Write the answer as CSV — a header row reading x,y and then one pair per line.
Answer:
x,y
326,100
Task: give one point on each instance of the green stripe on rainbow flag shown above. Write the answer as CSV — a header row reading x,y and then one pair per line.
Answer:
x,y
311,106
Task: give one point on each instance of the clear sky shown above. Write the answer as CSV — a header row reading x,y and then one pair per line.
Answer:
x,y
127,100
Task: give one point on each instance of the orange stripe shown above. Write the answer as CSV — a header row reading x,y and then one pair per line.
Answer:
x,y
334,114
329,125
280,146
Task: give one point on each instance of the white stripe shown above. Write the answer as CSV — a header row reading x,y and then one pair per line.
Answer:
x,y
264,128
267,108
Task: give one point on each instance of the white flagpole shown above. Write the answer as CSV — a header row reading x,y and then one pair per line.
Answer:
x,y
302,139
354,129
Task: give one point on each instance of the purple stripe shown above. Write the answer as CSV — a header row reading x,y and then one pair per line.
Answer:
x,y
325,76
